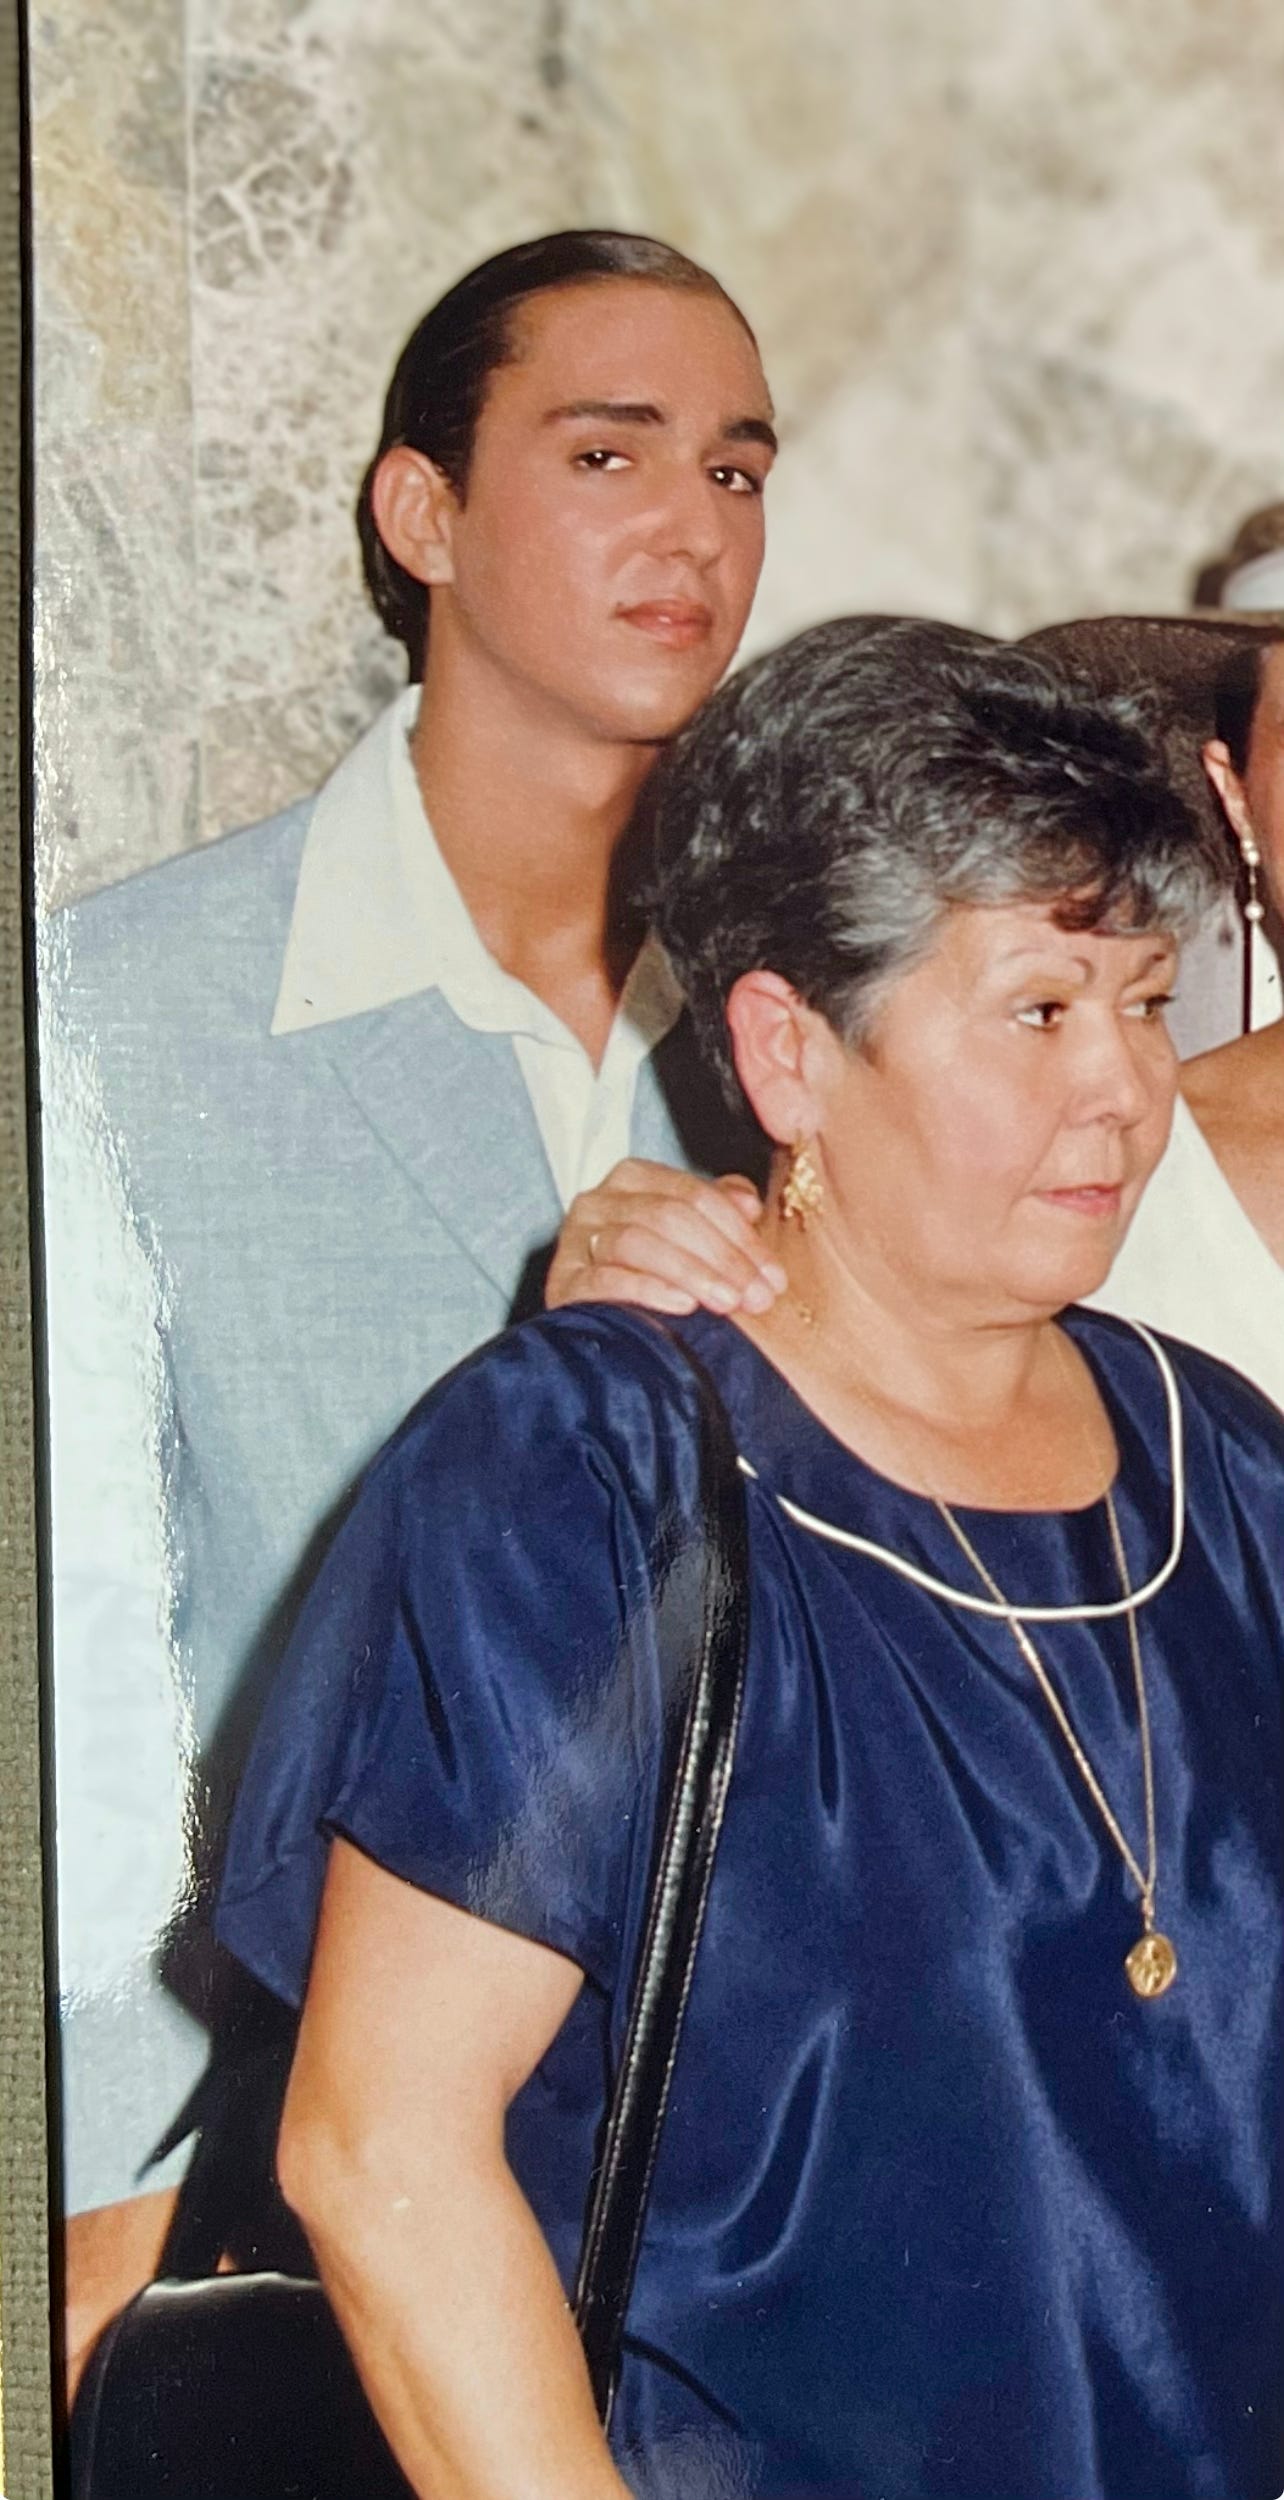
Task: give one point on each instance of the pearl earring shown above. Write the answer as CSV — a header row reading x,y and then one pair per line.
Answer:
x,y
1254,907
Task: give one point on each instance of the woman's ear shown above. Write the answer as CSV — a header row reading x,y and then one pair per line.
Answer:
x,y
774,1040
414,505
1216,760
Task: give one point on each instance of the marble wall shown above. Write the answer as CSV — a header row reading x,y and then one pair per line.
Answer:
x,y
1017,271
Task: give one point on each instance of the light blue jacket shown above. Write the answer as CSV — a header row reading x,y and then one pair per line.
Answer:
x,y
334,1217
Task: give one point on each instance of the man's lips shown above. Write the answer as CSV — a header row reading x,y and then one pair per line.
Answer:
x,y
677,623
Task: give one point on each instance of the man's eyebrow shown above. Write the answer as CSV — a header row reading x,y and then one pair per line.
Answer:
x,y
645,412
612,411
752,430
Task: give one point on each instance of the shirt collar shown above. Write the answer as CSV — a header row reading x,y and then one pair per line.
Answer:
x,y
378,916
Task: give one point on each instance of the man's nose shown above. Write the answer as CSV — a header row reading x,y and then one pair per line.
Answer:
x,y
690,520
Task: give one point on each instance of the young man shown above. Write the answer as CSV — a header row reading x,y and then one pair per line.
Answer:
x,y
355,1062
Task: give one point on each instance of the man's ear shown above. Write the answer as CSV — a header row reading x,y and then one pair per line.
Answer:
x,y
776,1040
1216,760
414,505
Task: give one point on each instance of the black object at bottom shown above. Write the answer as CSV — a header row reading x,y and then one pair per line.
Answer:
x,y
239,2388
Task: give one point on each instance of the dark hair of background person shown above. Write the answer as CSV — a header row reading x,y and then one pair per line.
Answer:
x,y
439,384
835,798
1239,686
1261,533
1235,699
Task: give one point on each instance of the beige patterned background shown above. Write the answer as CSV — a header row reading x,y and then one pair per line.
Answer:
x,y
1017,269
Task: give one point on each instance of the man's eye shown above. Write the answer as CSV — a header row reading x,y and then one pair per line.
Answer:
x,y
600,458
1149,1010
737,481
1042,1015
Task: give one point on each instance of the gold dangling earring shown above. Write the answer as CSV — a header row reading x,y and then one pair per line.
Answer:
x,y
1254,907
803,1194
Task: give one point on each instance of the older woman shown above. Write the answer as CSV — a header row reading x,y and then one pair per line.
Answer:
x,y
970,2184
1205,1254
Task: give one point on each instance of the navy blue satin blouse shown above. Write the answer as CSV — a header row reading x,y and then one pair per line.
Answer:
x,y
943,2211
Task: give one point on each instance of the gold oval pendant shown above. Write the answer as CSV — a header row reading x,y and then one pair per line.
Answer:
x,y
1151,1965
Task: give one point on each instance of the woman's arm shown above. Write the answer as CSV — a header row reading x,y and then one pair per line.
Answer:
x,y
420,2025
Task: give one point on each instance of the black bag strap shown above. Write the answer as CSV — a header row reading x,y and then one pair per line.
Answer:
x,y
706,1668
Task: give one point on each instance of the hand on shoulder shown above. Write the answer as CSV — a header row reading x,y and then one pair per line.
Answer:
x,y
668,1240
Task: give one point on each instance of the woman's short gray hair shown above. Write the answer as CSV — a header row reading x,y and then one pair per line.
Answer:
x,y
837,797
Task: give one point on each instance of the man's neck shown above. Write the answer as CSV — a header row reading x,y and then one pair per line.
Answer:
x,y
528,813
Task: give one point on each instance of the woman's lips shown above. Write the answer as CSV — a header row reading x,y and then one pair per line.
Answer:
x,y
677,623
1091,1199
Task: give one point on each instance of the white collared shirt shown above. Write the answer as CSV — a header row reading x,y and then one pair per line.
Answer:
x,y
378,916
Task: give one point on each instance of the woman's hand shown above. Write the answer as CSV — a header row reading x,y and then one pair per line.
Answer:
x,y
668,1240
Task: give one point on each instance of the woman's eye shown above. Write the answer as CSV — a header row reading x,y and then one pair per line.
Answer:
x,y
600,458
737,481
1149,1010
1042,1015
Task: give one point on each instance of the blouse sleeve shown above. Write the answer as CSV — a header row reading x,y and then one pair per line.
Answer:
x,y
473,1693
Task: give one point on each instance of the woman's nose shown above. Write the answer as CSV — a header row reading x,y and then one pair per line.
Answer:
x,y
1124,1073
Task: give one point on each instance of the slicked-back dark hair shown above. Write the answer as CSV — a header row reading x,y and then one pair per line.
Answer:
x,y
438,387
834,799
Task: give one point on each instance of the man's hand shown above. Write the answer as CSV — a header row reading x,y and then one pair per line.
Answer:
x,y
668,1240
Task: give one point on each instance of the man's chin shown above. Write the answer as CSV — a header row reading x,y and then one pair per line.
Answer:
x,y
653,725
653,709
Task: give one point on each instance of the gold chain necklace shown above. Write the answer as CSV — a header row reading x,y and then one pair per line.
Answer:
x,y
1152,1964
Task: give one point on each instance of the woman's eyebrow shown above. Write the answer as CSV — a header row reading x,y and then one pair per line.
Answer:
x,y
1039,960
1159,954
1042,959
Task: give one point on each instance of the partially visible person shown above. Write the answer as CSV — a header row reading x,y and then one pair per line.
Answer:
x,y
971,2179
351,1064
1205,1257
1247,583
1248,579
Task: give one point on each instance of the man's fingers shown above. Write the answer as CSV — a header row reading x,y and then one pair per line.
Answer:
x,y
667,1239
626,1284
663,1181
681,1245
702,1214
